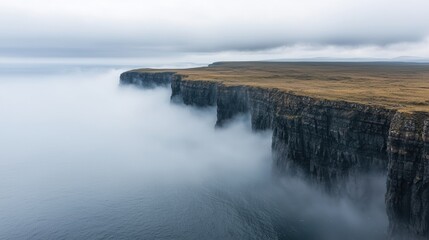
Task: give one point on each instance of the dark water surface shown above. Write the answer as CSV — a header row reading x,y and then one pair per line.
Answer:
x,y
82,158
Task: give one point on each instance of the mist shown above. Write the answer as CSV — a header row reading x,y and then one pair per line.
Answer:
x,y
84,158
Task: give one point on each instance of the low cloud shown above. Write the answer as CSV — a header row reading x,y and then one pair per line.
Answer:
x,y
82,158
170,28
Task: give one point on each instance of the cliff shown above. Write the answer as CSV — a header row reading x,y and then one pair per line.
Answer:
x,y
407,196
326,140
146,80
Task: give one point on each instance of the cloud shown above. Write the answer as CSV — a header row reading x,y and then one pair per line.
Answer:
x,y
134,28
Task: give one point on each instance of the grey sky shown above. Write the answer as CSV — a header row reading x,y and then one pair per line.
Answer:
x,y
173,28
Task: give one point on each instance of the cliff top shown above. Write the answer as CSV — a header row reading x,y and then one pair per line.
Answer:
x,y
402,86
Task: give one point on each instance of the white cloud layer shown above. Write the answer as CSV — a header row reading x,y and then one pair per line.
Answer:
x,y
171,28
82,158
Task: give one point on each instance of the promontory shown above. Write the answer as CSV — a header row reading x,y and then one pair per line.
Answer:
x,y
330,120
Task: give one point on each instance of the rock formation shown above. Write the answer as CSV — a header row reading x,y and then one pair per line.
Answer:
x,y
407,196
326,140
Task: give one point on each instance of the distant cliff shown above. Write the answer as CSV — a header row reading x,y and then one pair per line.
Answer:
x,y
327,140
147,80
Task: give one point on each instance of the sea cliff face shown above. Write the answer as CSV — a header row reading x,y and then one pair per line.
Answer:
x,y
407,196
146,80
326,141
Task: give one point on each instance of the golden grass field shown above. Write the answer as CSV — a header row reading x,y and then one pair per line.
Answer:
x,y
402,86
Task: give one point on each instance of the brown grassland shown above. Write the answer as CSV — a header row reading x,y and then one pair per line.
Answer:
x,y
402,86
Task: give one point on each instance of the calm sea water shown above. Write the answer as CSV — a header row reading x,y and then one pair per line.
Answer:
x,y
83,158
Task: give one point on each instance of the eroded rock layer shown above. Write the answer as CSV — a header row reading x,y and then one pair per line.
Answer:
x,y
146,80
407,196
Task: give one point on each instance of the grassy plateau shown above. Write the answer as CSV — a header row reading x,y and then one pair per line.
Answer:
x,y
401,86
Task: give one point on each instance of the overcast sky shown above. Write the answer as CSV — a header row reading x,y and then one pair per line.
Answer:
x,y
217,29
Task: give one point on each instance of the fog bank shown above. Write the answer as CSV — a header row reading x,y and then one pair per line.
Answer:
x,y
82,158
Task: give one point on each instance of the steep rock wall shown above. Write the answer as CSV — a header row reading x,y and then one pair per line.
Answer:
x,y
328,141
407,196
196,93
146,80
231,101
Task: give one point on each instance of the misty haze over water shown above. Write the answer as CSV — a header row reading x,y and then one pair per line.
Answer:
x,y
83,158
